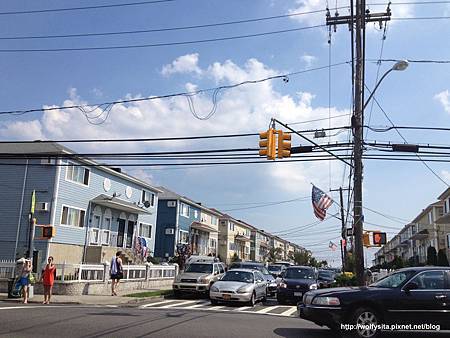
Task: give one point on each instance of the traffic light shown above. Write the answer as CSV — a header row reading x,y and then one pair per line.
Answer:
x,y
284,144
48,232
366,239
379,238
267,144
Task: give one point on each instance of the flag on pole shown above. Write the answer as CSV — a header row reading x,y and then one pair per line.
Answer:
x,y
321,202
332,246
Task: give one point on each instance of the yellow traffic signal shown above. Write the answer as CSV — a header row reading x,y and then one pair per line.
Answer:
x,y
267,144
366,239
284,144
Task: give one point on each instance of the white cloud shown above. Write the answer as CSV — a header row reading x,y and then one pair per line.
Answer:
x,y
184,64
444,98
242,109
308,60
445,175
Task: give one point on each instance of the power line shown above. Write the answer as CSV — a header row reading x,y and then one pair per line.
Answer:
x,y
270,204
196,92
161,44
67,9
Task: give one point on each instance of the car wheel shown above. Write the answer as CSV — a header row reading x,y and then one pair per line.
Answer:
x,y
214,302
365,320
252,301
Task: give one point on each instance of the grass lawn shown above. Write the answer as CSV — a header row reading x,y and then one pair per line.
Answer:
x,y
156,293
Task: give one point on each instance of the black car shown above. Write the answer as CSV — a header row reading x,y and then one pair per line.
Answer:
x,y
326,278
276,269
296,281
271,283
419,295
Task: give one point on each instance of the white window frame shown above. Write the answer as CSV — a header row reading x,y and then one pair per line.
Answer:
x,y
195,214
149,226
95,239
182,209
70,225
214,220
148,196
73,165
181,234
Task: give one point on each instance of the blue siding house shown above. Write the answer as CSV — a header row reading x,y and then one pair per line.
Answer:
x,y
183,221
94,209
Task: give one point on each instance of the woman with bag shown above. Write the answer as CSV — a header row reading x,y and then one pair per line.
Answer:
x,y
48,278
116,272
25,279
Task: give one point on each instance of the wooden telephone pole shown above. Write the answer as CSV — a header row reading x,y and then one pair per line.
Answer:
x,y
357,22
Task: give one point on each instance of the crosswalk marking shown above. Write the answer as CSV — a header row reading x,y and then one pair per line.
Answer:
x,y
216,307
268,309
179,304
244,308
197,305
157,303
290,311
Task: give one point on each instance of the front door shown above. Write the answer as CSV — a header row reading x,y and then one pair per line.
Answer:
x,y
130,230
120,233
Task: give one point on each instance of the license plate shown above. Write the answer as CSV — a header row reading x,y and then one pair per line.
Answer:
x,y
298,294
226,297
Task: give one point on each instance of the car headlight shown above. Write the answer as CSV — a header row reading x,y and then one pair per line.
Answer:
x,y
313,287
331,301
203,280
283,285
244,289
214,288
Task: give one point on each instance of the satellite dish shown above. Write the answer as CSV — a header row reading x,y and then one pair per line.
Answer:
x,y
146,204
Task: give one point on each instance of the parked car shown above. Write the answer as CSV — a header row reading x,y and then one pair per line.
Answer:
x,y
325,278
239,285
198,277
296,281
418,295
276,269
285,264
272,284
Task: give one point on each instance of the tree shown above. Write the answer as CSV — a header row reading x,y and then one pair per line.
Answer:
x,y
397,263
273,255
442,259
350,262
431,256
302,257
235,258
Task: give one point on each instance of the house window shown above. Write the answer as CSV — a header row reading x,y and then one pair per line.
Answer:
x,y
183,237
148,196
214,220
77,174
95,236
145,230
232,246
231,226
213,243
72,216
195,214
184,210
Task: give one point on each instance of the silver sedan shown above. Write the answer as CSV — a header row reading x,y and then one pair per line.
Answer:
x,y
239,285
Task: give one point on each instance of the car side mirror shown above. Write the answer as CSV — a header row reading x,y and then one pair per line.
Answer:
x,y
411,286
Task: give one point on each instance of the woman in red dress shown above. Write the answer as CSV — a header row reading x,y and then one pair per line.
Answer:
x,y
48,277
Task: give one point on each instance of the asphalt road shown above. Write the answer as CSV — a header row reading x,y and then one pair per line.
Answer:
x,y
90,322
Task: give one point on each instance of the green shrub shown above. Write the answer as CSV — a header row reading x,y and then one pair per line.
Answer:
x,y
345,280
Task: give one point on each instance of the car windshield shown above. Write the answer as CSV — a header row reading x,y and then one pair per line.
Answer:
x,y
274,267
326,274
260,268
393,280
299,274
238,276
200,268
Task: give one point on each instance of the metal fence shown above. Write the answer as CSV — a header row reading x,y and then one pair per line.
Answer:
x,y
98,272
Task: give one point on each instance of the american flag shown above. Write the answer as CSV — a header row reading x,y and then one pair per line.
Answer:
x,y
332,246
321,202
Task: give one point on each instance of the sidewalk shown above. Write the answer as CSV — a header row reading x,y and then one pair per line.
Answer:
x,y
84,299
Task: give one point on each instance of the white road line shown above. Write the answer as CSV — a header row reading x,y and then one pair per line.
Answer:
x,y
178,304
216,307
267,309
197,305
289,312
244,308
157,303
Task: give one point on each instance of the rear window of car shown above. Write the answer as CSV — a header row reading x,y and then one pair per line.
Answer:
x,y
200,268
274,267
238,276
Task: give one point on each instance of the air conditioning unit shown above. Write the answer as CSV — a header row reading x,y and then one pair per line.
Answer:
x,y
41,206
170,231
171,204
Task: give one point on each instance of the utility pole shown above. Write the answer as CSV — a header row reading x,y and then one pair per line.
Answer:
x,y
343,228
357,21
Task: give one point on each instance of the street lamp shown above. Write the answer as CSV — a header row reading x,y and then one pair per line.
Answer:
x,y
399,65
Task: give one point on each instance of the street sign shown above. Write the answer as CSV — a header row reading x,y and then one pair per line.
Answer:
x,y
349,232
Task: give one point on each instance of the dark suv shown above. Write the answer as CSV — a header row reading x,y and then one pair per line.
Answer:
x,y
296,281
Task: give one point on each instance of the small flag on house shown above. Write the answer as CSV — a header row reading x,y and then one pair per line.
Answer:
x,y
332,246
321,202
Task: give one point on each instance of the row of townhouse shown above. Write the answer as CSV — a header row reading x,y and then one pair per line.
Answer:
x,y
431,227
97,210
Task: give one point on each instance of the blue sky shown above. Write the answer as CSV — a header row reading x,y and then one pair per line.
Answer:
x,y
417,96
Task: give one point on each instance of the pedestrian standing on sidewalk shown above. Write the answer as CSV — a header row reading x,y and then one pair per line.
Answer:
x,y
116,272
48,277
25,279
